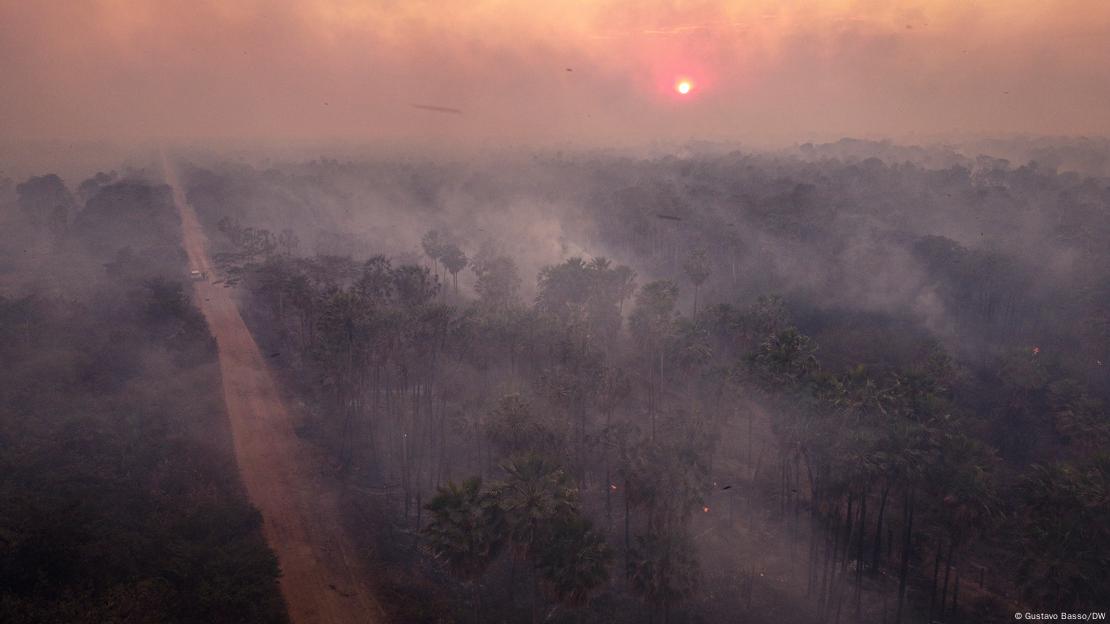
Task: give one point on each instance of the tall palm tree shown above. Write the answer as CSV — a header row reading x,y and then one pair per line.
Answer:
x,y
513,427
1065,533
615,387
624,280
575,560
535,495
961,480
454,260
466,533
434,243
697,269
664,570
653,324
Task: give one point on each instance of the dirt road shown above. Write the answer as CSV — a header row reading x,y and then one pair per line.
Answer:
x,y
322,580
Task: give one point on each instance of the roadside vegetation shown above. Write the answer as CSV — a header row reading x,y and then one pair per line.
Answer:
x,y
119,497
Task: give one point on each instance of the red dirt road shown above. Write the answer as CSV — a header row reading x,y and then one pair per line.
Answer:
x,y
322,579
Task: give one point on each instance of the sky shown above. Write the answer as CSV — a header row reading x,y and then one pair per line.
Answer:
x,y
494,72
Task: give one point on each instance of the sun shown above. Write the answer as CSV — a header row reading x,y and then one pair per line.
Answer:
x,y
683,87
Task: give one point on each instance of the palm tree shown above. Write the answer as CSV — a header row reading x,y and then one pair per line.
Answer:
x,y
575,560
498,281
413,286
343,326
653,323
697,269
1065,533
624,280
535,495
466,533
784,358
631,464
615,388
454,260
563,290
961,479
513,428
585,296
434,243
664,570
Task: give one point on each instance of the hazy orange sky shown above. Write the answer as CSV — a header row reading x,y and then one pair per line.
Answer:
x,y
323,69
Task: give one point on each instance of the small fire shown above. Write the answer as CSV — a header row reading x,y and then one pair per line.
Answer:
x,y
705,509
613,486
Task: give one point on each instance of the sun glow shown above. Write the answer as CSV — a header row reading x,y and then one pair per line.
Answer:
x,y
683,87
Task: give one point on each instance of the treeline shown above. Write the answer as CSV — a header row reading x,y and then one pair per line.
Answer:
x,y
907,470
984,254
119,498
417,391
639,420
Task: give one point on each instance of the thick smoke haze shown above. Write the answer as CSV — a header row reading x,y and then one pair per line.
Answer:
x,y
552,72
624,311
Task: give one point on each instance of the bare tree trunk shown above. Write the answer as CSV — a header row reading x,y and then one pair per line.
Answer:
x,y
879,531
848,526
782,487
750,587
956,593
627,566
478,600
830,558
947,573
750,416
814,548
660,380
535,595
608,476
860,539
907,543
936,577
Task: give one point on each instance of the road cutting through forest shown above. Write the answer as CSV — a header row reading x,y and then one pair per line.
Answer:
x,y
323,577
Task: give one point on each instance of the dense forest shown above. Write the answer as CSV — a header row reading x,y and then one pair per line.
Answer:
x,y
119,497
554,312
850,382
803,386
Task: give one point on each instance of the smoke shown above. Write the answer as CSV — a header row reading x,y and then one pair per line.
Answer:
x,y
829,233
527,73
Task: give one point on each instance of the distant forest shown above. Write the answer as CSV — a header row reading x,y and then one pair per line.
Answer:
x,y
813,386
119,497
732,387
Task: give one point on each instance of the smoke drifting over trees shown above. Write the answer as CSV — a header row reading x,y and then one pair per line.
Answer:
x,y
625,311
809,385
119,498
805,385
